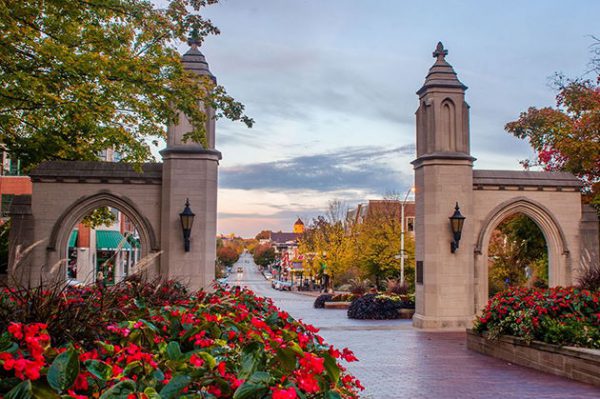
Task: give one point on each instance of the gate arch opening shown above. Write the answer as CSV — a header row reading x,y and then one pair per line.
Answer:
x,y
63,228
556,244
518,255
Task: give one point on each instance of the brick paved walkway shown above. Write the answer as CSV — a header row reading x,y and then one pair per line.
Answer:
x,y
397,361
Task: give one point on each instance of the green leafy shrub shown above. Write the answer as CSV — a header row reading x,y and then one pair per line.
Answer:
x,y
561,316
378,307
160,342
321,299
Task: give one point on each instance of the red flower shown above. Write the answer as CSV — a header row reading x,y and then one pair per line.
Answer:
x,y
196,361
280,393
16,329
307,383
221,368
348,356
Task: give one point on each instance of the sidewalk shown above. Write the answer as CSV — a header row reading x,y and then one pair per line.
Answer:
x,y
398,361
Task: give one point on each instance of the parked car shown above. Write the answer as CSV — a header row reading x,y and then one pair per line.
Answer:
x,y
281,285
268,275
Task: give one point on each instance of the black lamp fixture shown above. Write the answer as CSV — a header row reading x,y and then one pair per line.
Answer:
x,y
456,223
187,220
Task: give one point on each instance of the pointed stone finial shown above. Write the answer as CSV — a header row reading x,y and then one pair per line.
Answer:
x,y
194,40
440,52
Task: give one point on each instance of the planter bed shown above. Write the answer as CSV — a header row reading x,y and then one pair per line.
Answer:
x,y
406,313
337,305
579,364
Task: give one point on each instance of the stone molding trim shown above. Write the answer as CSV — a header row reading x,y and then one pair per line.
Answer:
x,y
533,209
96,172
193,150
520,179
579,364
452,156
82,206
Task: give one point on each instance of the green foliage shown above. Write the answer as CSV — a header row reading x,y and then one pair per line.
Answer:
x,y
378,307
353,252
517,246
561,316
321,299
226,344
378,246
99,217
63,370
569,332
82,76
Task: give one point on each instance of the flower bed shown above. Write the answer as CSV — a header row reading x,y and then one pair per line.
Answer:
x,y
560,316
379,306
158,342
323,299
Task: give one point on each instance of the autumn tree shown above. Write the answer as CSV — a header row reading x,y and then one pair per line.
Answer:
x,y
227,255
263,235
264,255
378,247
327,242
82,76
567,136
250,244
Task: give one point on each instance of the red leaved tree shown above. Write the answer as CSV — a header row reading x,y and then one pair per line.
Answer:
x,y
567,137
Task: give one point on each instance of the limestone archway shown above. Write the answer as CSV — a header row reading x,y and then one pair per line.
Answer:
x,y
83,206
559,266
452,286
152,195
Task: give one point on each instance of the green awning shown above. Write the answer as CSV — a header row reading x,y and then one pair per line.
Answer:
x,y
134,242
109,240
73,239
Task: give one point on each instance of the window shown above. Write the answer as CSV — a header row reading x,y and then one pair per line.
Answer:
x,y
410,224
6,201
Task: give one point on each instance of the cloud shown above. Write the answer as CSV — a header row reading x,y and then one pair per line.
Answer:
x,y
368,168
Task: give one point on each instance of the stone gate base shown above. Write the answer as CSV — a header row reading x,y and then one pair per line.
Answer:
x,y
575,363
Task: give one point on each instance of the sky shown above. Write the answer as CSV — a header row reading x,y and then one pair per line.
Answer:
x,y
331,86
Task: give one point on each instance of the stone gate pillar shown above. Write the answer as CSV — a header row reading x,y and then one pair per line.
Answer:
x,y
19,241
443,177
190,172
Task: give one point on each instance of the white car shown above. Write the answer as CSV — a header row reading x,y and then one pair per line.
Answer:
x,y
268,275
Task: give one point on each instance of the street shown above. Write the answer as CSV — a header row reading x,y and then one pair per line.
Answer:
x,y
397,361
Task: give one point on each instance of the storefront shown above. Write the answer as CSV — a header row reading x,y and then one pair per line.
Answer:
x,y
113,256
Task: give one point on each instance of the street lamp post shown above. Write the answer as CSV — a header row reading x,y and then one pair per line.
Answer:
x,y
402,254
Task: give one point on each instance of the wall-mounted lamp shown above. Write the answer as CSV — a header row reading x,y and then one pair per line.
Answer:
x,y
187,220
456,223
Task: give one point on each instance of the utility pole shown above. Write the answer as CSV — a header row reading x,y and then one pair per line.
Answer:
x,y
402,253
